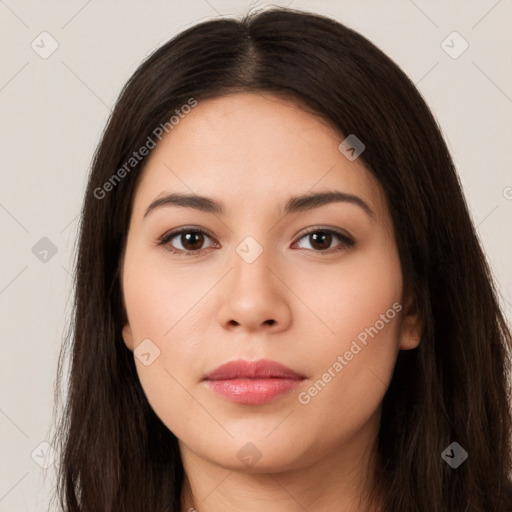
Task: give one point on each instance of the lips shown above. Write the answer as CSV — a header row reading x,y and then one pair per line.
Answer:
x,y
262,369
252,382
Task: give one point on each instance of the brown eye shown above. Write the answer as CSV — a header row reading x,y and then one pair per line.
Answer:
x,y
321,240
185,241
191,241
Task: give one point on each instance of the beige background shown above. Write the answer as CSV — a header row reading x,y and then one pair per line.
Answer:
x,y
53,111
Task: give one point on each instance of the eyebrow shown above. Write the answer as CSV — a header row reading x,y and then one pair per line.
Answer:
x,y
293,205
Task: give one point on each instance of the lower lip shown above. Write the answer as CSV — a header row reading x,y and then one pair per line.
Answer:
x,y
253,391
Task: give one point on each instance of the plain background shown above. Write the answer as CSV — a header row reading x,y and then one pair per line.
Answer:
x,y
53,111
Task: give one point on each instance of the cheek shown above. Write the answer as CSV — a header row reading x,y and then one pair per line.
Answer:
x,y
348,298
162,309
158,310
353,361
158,298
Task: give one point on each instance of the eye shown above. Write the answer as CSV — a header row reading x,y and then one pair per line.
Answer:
x,y
321,239
190,240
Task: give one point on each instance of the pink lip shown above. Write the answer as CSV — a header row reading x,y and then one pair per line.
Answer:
x,y
252,382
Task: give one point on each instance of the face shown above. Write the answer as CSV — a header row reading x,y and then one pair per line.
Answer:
x,y
250,274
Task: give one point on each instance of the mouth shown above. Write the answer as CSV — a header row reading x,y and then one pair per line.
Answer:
x,y
252,382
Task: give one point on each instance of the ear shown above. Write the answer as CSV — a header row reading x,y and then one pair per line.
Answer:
x,y
412,324
127,331
127,336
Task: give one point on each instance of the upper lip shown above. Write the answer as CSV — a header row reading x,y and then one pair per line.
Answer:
x,y
261,369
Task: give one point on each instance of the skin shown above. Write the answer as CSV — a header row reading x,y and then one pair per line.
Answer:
x,y
252,152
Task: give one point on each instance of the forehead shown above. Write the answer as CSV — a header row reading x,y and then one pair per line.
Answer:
x,y
251,148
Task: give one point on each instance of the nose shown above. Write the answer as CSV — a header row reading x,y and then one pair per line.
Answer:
x,y
255,298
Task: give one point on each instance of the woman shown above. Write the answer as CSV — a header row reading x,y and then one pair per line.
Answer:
x,y
281,302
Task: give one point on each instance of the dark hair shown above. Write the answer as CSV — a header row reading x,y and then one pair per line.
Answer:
x,y
116,454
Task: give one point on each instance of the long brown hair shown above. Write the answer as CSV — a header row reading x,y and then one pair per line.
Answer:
x,y
116,454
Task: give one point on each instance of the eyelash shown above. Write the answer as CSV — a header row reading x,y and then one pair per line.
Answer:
x,y
164,240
